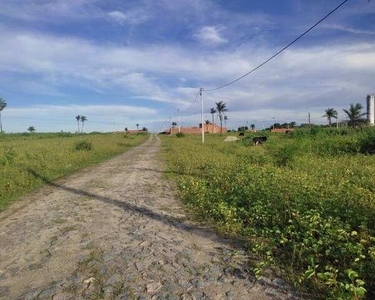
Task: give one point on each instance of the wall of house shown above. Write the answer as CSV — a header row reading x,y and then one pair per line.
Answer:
x,y
208,128
282,130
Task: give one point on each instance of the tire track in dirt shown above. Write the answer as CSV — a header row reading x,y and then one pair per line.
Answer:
x,y
117,231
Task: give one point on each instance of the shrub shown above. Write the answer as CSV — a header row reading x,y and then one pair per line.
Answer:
x,y
9,155
306,203
180,134
367,143
83,145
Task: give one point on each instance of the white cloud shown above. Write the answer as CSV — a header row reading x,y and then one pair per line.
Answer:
x,y
210,35
53,11
118,16
305,79
132,16
62,117
348,29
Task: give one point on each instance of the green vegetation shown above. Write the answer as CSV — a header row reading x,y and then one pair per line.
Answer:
x,y
305,202
29,160
3,105
83,145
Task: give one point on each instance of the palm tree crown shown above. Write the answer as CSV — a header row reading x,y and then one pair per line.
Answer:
x,y
355,114
330,113
83,120
3,104
221,109
213,112
78,118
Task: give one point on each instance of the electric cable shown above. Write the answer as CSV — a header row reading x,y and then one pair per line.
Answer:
x,y
280,51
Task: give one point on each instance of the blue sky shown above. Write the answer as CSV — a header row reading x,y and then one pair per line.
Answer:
x,y
126,62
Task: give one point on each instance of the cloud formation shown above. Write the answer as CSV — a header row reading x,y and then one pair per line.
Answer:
x,y
146,54
210,35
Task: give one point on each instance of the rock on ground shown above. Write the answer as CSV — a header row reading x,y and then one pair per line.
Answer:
x,y
231,139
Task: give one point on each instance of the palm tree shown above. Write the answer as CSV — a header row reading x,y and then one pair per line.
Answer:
x,y
83,120
3,104
330,113
31,129
213,112
221,109
78,118
137,126
355,114
174,124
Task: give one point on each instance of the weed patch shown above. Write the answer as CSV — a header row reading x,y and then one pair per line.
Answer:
x,y
304,202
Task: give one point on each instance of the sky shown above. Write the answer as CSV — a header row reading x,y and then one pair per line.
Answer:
x,y
122,63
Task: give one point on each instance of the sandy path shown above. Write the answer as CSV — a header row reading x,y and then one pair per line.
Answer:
x,y
116,231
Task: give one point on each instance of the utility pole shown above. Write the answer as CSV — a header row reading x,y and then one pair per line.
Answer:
x,y
309,121
170,124
179,120
201,93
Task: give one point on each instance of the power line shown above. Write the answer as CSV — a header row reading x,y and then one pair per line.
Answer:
x,y
279,52
193,103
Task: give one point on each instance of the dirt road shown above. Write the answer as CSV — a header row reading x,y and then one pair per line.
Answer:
x,y
117,231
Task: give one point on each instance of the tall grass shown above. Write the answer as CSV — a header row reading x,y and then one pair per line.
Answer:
x,y
51,156
305,202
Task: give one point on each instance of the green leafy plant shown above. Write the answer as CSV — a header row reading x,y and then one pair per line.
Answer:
x,y
83,145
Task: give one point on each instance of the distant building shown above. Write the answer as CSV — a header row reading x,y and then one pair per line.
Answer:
x,y
208,128
282,130
370,109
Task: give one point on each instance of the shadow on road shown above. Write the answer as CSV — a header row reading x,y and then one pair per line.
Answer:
x,y
145,211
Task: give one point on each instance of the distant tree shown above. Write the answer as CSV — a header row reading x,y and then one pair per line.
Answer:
x,y
144,129
174,124
221,109
83,120
292,124
243,128
252,126
225,120
3,104
355,115
78,118
213,112
330,113
126,129
137,126
208,122
31,129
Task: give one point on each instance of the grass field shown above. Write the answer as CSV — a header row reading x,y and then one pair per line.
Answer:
x,y
52,156
304,202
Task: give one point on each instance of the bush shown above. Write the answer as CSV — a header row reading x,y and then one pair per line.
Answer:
x,y
180,135
83,145
9,155
306,203
368,143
